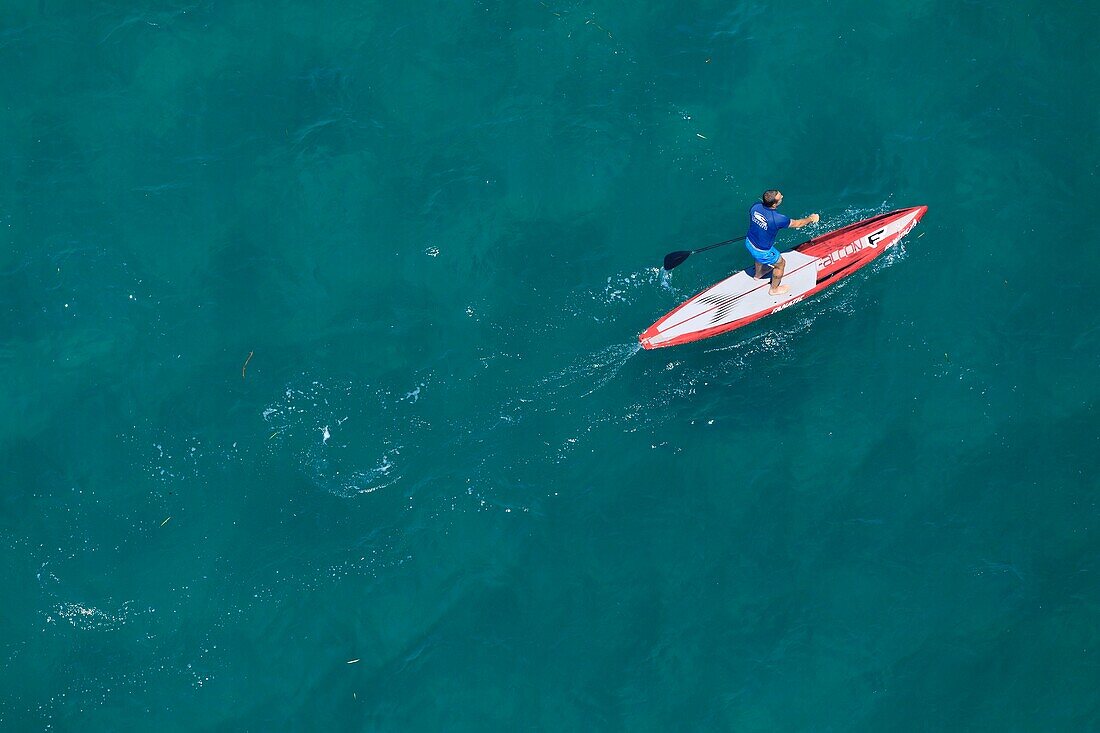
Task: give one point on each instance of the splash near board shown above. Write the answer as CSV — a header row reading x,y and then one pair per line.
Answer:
x,y
811,267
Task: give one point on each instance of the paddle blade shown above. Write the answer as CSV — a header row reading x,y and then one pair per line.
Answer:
x,y
672,259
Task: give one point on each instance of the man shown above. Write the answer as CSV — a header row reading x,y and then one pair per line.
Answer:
x,y
764,223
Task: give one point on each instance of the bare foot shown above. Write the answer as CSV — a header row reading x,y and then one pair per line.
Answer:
x,y
781,290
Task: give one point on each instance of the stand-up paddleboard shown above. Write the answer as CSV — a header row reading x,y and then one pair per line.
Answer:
x,y
811,266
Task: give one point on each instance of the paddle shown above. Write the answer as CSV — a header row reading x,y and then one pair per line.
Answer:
x,y
674,259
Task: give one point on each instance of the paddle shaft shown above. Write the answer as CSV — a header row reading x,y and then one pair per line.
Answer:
x,y
719,244
674,259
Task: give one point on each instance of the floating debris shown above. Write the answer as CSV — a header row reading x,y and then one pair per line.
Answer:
x,y
590,21
164,522
246,363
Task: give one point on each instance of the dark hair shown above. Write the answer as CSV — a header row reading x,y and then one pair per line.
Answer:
x,y
770,197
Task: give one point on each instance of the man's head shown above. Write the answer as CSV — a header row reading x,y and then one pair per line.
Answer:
x,y
772,198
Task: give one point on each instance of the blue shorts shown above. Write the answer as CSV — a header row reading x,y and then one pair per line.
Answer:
x,y
769,257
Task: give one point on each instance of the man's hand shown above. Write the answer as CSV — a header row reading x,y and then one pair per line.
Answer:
x,y
814,218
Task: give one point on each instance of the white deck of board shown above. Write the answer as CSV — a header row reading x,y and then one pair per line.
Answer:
x,y
737,297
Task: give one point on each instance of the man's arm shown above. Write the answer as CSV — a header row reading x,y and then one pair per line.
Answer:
x,y
799,223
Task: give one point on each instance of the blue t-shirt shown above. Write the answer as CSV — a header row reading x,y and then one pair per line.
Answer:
x,y
764,224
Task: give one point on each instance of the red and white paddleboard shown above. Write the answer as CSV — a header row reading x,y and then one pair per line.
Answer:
x,y
811,266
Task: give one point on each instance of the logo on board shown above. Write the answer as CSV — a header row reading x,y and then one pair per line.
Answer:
x,y
871,240
789,303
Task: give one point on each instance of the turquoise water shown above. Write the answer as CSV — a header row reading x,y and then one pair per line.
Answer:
x,y
448,492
